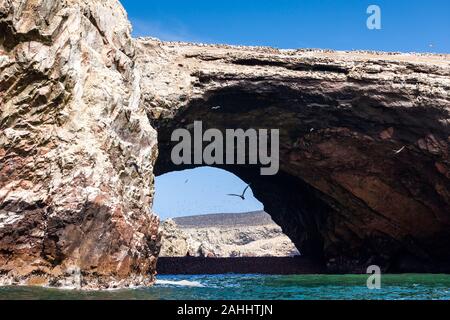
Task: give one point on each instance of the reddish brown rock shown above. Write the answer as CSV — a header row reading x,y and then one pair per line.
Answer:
x,y
76,149
387,134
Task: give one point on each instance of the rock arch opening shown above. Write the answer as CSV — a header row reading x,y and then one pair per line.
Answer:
x,y
201,219
199,191
292,203
342,195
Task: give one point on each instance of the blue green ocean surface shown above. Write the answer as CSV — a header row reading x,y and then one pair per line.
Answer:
x,y
260,287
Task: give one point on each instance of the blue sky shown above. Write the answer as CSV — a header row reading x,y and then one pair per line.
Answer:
x,y
199,191
407,25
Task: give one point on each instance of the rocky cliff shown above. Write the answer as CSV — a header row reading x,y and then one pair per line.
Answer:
x,y
364,144
76,148
226,235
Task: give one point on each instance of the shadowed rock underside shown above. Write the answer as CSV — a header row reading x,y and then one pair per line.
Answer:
x,y
364,142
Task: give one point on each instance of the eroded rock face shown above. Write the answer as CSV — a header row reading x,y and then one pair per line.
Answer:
x,y
76,148
174,241
252,234
364,142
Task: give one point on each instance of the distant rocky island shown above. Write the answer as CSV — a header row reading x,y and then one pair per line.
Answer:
x,y
252,234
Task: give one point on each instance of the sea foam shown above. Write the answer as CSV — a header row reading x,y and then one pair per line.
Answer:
x,y
180,283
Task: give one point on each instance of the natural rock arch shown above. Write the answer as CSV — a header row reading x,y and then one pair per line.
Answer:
x,y
345,195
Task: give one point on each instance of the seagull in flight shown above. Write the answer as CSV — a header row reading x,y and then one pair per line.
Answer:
x,y
400,150
242,196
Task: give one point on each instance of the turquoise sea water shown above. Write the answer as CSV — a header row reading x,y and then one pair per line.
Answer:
x,y
260,287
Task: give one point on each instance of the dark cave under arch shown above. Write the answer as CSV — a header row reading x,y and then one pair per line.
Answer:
x,y
335,227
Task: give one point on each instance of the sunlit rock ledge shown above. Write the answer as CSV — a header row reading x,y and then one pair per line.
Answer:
x,y
84,109
230,235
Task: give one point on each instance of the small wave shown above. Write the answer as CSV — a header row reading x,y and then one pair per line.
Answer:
x,y
180,283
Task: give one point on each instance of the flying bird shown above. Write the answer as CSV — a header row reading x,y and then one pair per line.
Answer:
x,y
216,108
242,196
400,150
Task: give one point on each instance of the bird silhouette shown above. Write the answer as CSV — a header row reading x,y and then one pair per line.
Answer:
x,y
242,196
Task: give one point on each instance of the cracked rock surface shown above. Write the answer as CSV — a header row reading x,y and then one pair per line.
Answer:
x,y
76,148
250,234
